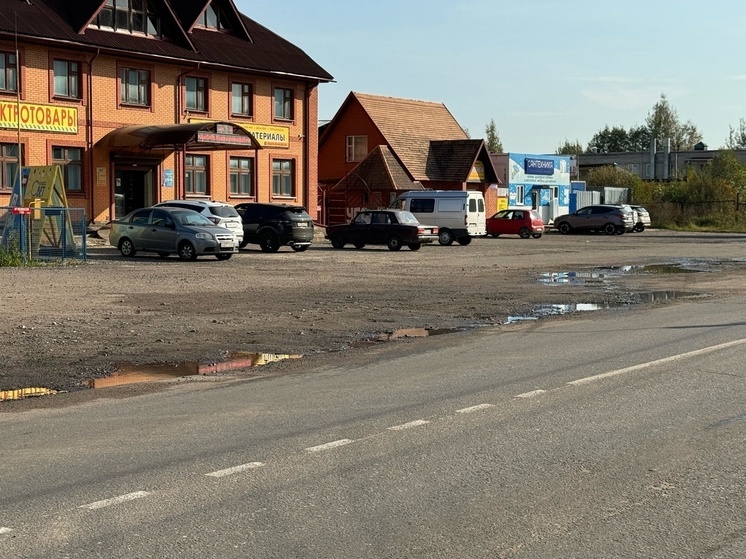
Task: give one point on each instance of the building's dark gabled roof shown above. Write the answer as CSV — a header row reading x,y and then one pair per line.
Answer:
x,y
453,160
63,23
189,12
380,170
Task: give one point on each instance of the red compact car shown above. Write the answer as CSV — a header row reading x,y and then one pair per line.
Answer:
x,y
513,221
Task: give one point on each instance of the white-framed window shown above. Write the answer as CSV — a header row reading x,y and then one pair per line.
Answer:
x,y
357,148
520,193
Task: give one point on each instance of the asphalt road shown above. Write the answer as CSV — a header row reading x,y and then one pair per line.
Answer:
x,y
617,434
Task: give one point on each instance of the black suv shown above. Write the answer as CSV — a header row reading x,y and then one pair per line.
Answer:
x,y
274,225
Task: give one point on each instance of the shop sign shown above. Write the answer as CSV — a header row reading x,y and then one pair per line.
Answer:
x,y
268,136
49,118
205,137
534,166
477,173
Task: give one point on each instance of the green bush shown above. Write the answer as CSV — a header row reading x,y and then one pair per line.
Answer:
x,y
11,256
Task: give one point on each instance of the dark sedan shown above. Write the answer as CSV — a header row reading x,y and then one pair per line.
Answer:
x,y
393,228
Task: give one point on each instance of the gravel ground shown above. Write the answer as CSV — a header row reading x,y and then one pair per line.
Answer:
x,y
64,325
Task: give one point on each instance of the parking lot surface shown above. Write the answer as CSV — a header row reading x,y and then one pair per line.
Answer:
x,y
64,325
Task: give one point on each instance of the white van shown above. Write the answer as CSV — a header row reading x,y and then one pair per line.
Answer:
x,y
459,214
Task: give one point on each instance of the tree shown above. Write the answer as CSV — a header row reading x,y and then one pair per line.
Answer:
x,y
570,148
611,175
663,123
610,140
494,145
737,137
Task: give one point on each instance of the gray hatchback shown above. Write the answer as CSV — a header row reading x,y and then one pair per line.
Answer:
x,y
172,230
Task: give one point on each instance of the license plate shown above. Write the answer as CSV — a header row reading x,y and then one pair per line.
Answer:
x,y
303,224
226,245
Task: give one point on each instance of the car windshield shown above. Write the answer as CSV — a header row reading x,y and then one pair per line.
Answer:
x,y
189,217
406,217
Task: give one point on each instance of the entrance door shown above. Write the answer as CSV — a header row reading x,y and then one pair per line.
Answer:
x,y
132,190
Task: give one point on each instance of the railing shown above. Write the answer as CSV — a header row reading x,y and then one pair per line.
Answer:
x,y
43,234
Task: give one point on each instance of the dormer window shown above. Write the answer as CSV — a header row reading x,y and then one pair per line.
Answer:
x,y
132,16
212,18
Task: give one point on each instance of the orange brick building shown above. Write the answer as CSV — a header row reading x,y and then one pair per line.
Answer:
x,y
377,146
148,100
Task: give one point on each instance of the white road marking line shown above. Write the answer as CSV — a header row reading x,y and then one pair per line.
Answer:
x,y
115,500
327,446
530,394
236,469
475,408
409,425
657,362
4,530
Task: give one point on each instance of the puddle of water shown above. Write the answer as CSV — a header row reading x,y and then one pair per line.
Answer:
x,y
414,333
21,393
603,275
153,372
540,311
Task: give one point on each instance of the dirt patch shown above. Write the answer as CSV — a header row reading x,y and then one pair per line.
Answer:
x,y
65,325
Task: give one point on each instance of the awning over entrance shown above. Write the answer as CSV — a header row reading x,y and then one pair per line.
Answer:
x,y
193,136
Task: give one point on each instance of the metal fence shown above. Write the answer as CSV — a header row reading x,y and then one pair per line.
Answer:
x,y
43,234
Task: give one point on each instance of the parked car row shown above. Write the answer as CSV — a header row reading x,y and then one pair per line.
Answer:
x,y
192,228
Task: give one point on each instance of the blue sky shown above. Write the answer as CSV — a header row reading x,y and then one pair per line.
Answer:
x,y
544,71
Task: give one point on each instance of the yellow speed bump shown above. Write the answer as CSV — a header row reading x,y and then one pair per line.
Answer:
x,y
21,393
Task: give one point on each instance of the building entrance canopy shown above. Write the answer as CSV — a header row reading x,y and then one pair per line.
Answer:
x,y
193,136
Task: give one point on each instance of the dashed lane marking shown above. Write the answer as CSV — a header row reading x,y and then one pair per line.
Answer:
x,y
475,408
115,500
236,469
409,425
531,394
4,530
657,362
328,446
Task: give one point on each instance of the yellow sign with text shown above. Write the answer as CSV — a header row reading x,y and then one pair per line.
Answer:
x,y
49,118
269,136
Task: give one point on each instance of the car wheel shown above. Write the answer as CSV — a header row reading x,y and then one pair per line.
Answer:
x,y
269,242
639,227
338,241
299,248
187,251
164,254
393,242
414,246
564,228
445,237
536,235
463,241
359,245
127,247
496,235
610,229
224,256
524,232
242,244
